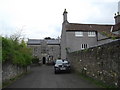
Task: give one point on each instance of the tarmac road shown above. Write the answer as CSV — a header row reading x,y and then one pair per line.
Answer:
x,y
44,77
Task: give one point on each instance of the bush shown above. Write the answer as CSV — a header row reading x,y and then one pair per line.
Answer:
x,y
16,52
35,60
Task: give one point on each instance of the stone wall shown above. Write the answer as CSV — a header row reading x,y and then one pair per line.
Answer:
x,y
10,71
101,62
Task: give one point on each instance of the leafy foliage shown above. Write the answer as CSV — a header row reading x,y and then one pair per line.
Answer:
x,y
47,38
15,51
112,36
35,60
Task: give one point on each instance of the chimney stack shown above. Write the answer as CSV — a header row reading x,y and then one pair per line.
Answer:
x,y
65,15
117,15
117,18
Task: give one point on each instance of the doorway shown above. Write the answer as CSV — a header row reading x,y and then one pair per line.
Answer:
x,y
44,60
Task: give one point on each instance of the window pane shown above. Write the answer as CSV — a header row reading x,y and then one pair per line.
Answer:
x,y
78,34
91,34
86,45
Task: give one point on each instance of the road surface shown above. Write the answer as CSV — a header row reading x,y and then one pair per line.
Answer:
x,y
44,77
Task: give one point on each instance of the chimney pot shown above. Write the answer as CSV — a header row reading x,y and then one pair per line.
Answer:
x,y
118,13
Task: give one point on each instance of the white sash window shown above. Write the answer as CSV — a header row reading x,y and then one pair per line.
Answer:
x,y
91,34
79,34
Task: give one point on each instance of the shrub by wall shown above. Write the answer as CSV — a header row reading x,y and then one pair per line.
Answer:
x,y
16,52
101,62
16,58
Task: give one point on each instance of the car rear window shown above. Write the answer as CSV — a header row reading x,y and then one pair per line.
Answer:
x,y
59,61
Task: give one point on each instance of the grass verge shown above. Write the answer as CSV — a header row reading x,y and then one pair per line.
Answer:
x,y
96,82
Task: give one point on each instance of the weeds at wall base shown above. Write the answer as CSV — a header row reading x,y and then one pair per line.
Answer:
x,y
12,80
96,82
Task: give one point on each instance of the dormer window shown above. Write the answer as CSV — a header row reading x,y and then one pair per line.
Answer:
x,y
91,34
79,34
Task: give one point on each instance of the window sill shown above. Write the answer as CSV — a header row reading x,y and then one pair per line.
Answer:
x,y
91,36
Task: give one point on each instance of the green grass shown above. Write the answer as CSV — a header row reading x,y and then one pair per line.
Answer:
x,y
96,82
8,82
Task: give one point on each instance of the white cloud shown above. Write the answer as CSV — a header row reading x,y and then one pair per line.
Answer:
x,y
43,18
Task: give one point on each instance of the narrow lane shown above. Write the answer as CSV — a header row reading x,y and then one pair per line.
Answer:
x,y
44,77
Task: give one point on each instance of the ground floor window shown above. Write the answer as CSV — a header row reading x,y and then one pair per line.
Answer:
x,y
83,46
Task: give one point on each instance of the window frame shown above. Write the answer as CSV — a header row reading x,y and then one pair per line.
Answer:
x,y
84,46
78,34
91,34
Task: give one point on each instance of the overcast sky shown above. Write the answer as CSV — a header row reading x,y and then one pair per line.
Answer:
x,y
43,18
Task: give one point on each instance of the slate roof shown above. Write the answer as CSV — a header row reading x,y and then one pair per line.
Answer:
x,y
93,27
34,41
88,27
39,41
54,41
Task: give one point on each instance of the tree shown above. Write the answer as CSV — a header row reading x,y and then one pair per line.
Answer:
x,y
47,38
16,50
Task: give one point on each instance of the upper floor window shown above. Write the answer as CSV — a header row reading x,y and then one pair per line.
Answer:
x,y
91,34
79,34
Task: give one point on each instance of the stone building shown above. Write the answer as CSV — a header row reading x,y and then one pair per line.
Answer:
x,y
74,37
45,49
77,36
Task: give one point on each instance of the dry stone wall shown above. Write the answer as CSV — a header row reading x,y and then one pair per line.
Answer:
x,y
101,62
10,71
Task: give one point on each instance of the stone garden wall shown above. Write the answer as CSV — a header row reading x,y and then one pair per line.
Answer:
x,y
101,62
10,71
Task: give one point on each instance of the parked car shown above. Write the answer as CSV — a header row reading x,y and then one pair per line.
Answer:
x,y
62,65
